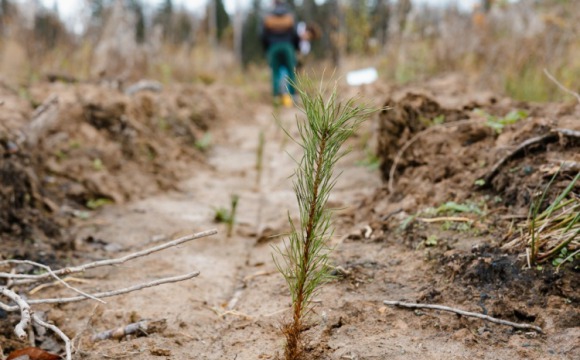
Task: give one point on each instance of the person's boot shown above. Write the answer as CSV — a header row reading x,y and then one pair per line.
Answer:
x,y
287,100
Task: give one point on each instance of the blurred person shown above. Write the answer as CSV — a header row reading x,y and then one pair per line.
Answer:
x,y
280,41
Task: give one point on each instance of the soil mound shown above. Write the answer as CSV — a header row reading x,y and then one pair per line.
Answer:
x,y
69,148
440,144
461,175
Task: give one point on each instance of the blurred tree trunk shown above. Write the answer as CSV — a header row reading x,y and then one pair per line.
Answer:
x,y
7,14
137,7
222,19
251,44
117,56
404,7
212,23
164,17
381,18
238,25
309,10
336,34
487,5
358,27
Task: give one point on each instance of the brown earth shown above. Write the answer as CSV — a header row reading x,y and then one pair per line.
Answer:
x,y
234,308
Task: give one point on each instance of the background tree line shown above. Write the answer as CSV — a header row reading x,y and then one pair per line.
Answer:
x,y
347,26
504,44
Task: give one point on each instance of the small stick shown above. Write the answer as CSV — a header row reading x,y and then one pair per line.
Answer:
x,y
446,218
5,307
108,293
57,331
66,279
552,136
118,291
223,314
568,132
58,279
26,279
20,328
259,273
464,313
143,326
524,145
260,158
562,87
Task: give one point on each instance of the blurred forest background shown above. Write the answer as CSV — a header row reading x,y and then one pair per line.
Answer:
x,y
501,45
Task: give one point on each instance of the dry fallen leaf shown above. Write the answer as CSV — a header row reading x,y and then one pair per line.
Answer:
x,y
32,353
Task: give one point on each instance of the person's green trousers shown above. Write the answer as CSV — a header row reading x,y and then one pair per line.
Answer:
x,y
282,55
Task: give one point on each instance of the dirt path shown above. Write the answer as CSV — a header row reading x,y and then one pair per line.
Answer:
x,y
228,265
233,309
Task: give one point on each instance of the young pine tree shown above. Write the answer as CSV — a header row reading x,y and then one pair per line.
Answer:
x,y
303,261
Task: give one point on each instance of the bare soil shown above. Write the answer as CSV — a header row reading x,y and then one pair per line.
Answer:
x,y
234,309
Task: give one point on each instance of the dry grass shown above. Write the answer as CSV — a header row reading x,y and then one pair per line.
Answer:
x,y
505,52
553,233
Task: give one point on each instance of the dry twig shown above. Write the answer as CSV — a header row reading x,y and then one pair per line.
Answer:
x,y
27,315
109,293
568,132
562,87
67,279
27,279
464,313
446,218
51,273
20,328
519,149
550,137
143,326
57,331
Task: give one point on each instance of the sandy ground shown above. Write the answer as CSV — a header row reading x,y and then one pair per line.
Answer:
x,y
234,308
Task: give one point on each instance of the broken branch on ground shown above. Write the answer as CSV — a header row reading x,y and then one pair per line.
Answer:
x,y
27,315
464,313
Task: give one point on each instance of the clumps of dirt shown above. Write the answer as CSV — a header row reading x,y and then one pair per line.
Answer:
x,y
503,288
402,118
114,147
447,144
25,210
86,146
489,269
444,149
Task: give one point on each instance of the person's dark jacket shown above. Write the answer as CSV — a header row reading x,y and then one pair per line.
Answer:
x,y
278,26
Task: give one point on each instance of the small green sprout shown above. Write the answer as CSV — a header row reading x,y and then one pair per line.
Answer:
x,y
204,143
479,182
98,164
94,204
260,157
431,240
223,215
498,123
371,161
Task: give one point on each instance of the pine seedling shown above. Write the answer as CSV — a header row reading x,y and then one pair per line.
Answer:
x,y
304,259
232,220
223,215
260,157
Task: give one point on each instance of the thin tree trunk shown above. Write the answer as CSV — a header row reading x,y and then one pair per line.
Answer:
x,y
238,27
